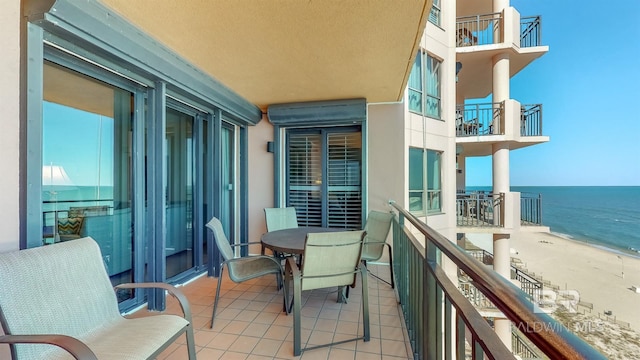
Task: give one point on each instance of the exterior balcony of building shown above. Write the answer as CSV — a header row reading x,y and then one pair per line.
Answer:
x,y
480,37
479,126
485,212
441,320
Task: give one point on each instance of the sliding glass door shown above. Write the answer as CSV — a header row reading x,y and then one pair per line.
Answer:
x,y
179,194
87,127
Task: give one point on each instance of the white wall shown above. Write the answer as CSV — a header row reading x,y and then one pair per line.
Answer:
x,y
386,156
260,179
10,134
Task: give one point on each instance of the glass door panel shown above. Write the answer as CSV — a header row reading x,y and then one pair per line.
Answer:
x,y
179,180
87,166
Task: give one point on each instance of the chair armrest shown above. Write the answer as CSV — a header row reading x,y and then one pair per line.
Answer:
x,y
374,243
246,244
293,267
172,290
75,347
296,277
252,257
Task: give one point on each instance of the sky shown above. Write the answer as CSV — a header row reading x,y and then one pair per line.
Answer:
x,y
589,87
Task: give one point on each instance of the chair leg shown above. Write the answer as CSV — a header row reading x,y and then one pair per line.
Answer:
x,y
297,300
391,266
365,303
215,302
191,343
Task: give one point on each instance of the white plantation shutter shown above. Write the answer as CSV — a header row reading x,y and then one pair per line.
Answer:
x,y
344,176
324,178
305,178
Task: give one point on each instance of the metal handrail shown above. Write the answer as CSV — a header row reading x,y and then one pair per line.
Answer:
x,y
549,335
531,120
480,119
531,209
480,209
480,29
530,31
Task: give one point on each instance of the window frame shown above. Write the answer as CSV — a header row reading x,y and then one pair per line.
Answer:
x,y
430,68
430,191
434,13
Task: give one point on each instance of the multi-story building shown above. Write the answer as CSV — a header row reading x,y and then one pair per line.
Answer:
x,y
135,122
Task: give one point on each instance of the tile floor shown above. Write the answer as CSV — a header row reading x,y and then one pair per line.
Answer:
x,y
250,323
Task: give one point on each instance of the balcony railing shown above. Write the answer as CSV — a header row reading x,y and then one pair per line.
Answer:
x,y
530,209
482,29
487,29
531,120
530,31
479,209
441,321
480,119
530,285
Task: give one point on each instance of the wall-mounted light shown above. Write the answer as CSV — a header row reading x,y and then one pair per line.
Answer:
x,y
270,146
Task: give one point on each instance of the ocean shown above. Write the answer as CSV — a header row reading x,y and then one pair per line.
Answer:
x,y
603,216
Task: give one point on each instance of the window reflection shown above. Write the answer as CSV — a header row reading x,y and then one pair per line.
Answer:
x,y
86,166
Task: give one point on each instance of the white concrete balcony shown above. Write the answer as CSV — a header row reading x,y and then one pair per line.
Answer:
x,y
483,36
479,126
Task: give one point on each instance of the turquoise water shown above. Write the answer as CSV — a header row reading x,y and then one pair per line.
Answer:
x,y
607,216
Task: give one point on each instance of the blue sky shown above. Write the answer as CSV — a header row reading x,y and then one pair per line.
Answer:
x,y
589,85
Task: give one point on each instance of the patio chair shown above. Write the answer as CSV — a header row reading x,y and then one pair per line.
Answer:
x,y
281,218
242,268
330,260
377,228
61,295
278,219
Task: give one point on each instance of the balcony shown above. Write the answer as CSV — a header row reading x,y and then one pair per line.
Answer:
x,y
530,209
531,120
481,37
530,31
406,324
486,29
479,29
442,323
480,119
490,119
479,209
479,126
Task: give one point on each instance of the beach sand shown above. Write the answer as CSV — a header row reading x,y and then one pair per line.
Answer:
x,y
597,274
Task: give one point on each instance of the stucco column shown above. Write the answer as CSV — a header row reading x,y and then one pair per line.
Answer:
x,y
501,243
498,5
501,76
500,168
502,265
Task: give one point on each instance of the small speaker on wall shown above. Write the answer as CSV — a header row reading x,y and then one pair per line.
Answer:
x,y
270,146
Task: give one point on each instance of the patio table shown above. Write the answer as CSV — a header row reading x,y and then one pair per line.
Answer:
x,y
291,241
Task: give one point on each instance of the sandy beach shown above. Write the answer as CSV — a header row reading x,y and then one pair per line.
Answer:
x,y
597,274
